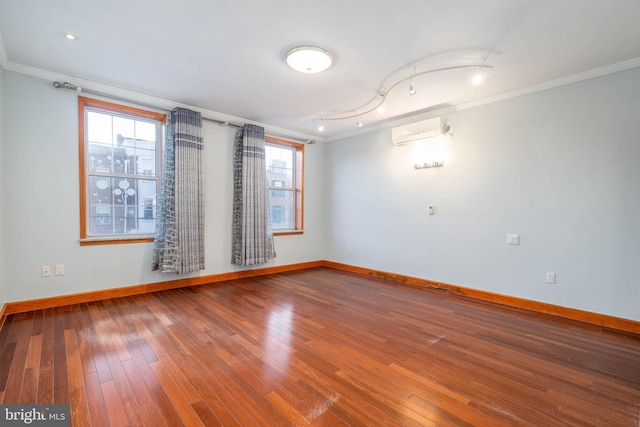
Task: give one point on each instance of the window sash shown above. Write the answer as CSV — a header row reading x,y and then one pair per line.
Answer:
x,y
294,191
145,168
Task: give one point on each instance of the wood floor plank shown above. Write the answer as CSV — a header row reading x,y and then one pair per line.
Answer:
x,y
114,404
126,397
77,392
30,380
187,414
87,337
152,416
318,347
45,380
60,366
18,343
6,361
98,414
159,398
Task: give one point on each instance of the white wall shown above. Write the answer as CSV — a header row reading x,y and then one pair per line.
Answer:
x,y
560,168
42,203
2,203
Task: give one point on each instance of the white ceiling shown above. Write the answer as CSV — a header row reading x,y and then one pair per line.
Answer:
x,y
229,57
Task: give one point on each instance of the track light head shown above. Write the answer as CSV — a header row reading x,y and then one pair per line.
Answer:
x,y
412,89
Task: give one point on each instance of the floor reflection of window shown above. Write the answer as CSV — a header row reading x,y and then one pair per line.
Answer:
x,y
278,340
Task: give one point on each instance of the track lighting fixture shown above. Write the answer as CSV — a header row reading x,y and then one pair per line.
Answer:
x,y
412,89
381,99
376,104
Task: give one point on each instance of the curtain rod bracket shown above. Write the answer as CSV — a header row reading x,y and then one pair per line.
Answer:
x,y
65,85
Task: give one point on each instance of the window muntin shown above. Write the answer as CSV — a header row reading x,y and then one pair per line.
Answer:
x,y
120,162
284,161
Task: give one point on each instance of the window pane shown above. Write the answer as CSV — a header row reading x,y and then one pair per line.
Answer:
x,y
145,162
100,158
99,127
123,131
282,210
280,165
121,145
112,159
145,148
121,205
145,131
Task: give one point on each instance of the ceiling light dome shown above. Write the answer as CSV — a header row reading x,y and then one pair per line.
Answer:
x,y
309,59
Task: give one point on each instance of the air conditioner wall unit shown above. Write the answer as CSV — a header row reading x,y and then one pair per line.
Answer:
x,y
424,129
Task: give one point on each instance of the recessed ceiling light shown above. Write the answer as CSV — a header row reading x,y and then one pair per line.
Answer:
x,y
70,36
309,59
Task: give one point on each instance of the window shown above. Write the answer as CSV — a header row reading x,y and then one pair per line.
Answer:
x,y
284,174
120,155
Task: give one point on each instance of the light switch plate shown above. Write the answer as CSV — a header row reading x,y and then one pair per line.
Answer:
x,y
59,269
513,239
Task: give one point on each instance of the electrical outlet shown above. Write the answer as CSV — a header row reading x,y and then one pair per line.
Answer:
x,y
46,270
551,278
59,269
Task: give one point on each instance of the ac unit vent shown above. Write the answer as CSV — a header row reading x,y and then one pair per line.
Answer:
x,y
419,130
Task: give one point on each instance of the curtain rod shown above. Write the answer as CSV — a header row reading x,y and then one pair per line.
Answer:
x,y
79,90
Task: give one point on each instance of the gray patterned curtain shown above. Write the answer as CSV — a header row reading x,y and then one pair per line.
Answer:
x,y
179,239
252,234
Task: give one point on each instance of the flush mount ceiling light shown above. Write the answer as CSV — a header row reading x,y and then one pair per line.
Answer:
x,y
69,36
309,59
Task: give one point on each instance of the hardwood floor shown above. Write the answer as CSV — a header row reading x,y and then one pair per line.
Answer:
x,y
317,347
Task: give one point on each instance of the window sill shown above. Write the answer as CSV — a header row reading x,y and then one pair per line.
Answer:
x,y
288,232
94,241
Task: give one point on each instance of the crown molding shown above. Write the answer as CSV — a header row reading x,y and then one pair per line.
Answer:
x,y
563,81
574,78
166,105
101,90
